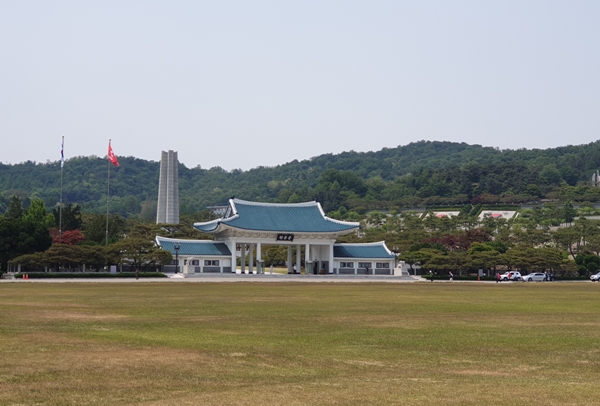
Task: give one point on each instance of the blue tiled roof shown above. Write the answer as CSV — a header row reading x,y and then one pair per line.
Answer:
x,y
207,227
194,247
374,250
301,217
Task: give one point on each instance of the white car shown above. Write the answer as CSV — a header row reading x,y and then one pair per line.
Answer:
x,y
595,277
535,277
511,276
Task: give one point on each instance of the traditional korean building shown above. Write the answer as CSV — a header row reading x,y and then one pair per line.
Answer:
x,y
246,227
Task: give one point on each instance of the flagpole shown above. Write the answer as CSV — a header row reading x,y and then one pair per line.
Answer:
x,y
107,192
62,163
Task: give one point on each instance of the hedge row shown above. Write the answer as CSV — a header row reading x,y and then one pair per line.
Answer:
x,y
458,278
77,275
492,278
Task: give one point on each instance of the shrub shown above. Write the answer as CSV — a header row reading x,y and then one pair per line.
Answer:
x,y
80,275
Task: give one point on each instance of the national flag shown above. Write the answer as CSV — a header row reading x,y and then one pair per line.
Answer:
x,y
62,153
111,156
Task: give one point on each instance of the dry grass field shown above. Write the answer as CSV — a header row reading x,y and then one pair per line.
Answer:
x,y
299,344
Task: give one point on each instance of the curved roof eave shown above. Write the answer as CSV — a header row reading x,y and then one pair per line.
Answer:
x,y
213,225
354,246
193,247
224,226
249,203
382,243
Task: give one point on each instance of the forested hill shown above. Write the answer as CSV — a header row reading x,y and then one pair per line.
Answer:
x,y
416,174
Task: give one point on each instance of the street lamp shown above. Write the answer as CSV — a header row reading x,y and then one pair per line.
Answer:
x,y
176,246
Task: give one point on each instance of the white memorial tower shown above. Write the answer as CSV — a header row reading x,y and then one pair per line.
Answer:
x,y
168,189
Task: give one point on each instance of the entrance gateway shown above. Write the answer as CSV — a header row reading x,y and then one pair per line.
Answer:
x,y
247,226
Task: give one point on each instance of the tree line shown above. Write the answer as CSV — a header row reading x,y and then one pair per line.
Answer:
x,y
349,186
70,239
558,239
419,174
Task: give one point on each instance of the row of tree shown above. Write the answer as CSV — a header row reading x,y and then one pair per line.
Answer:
x,y
552,238
71,239
560,239
422,173
24,231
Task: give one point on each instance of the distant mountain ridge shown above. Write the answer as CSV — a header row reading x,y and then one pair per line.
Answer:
x,y
418,172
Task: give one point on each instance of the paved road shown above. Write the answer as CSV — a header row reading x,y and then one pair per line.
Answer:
x,y
265,279
235,278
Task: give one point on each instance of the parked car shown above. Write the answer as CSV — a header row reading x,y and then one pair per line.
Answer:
x,y
551,277
535,277
595,277
511,276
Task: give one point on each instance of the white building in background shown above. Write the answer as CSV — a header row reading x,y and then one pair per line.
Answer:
x,y
497,214
441,214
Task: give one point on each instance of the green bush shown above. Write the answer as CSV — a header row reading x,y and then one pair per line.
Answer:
x,y
573,278
80,275
592,259
459,278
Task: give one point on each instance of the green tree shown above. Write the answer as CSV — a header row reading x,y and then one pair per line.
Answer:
x,y
551,175
410,258
569,212
274,254
15,209
62,256
517,258
547,259
139,253
487,260
19,236
71,217
37,214
568,239
94,228
593,244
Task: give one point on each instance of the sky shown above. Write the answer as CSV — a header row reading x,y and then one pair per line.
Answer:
x,y
241,84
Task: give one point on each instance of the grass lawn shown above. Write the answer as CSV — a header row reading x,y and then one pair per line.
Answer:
x,y
296,344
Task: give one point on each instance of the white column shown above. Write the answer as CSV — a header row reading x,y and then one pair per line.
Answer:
x,y
331,258
307,266
232,246
289,259
298,258
243,258
259,258
250,263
